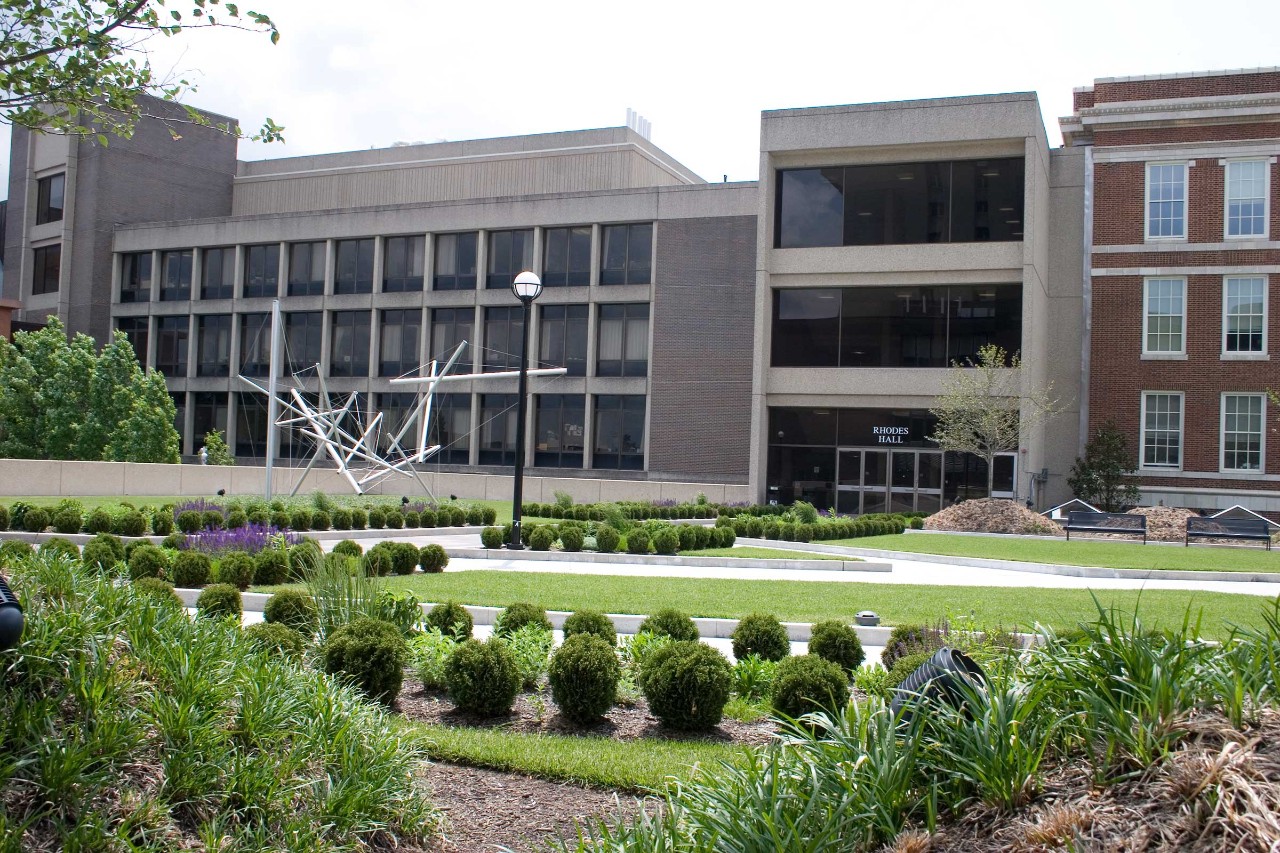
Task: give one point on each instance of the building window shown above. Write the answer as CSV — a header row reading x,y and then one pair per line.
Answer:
x,y
255,344
450,327
403,264
619,432
1244,314
353,269
451,428
251,424
1166,201
179,415
497,429
1246,204
302,334
47,268
135,277
213,345
262,270
1161,430
567,257
503,337
175,276
623,348
218,273
510,253
562,338
893,326
627,254
208,414
172,334
1164,320
349,354
962,201
49,198
306,269
396,409
560,428
455,262
1242,443
136,329
398,342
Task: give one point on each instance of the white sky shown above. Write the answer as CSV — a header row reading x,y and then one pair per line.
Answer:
x,y
357,76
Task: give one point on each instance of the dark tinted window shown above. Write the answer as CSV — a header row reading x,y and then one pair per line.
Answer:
x,y
208,413
398,345
306,268
47,269
349,349
623,345
455,262
626,254
567,257
510,253
503,337
172,334
451,428
986,200
251,424
559,430
302,333
562,338
255,344
136,329
402,264
175,276
213,345
810,208
262,270
218,273
806,328
353,268
135,277
450,327
49,198
497,429
904,203
619,432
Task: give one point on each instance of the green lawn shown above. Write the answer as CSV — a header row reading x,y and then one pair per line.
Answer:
x,y
1105,554
93,502
813,601
637,765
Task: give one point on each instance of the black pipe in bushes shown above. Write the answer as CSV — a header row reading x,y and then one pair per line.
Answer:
x,y
937,678
11,618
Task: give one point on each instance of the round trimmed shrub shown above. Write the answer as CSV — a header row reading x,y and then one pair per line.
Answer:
x,y
341,518
212,519
148,561
359,518
482,678
377,518
517,615
271,567
300,519
348,548
427,518
103,551
320,520
189,521
371,654
162,521
4,517
68,521
292,608
488,515
280,519
160,590
412,520
584,676
12,550
191,569
175,541
687,684
670,623
591,622
491,538
807,683
607,539
541,537
35,520
761,634
837,642
688,536
277,639
237,569
394,519
236,519
404,558
451,619
571,538
131,522
99,521
666,540
379,560
638,541
302,557
218,600
60,547
909,639
433,558
475,515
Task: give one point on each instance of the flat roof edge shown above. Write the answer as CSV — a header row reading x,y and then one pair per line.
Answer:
x,y
920,103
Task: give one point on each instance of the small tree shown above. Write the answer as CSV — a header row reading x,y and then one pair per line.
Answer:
x,y
215,448
147,434
1103,476
979,410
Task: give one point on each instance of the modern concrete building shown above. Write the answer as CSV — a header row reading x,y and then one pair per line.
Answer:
x,y
790,334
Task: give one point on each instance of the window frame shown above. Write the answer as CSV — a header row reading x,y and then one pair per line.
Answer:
x,y
359,251
454,279
1222,433
1146,202
130,261
173,264
605,406
414,253
626,319
40,269
207,327
350,322
311,285
386,367
1246,355
182,365
624,273
1266,198
225,287
269,271
568,277
44,198
1142,431
1181,352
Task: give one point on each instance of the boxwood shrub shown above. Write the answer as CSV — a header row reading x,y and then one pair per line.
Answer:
x,y
687,684
35,520
271,567
236,568
68,520
191,569
807,683
369,653
277,639
294,609
606,539
433,558
584,676
760,634
517,615
348,548
837,642
103,551
148,561
670,623
491,538
591,622
218,600
451,619
541,537
482,678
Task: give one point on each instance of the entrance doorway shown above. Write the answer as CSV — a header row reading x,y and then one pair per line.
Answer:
x,y
873,480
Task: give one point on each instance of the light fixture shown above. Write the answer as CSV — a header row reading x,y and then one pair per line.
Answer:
x,y
527,286
991,173
1006,210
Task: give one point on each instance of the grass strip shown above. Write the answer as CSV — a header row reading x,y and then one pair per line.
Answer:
x,y
813,601
636,765
1109,554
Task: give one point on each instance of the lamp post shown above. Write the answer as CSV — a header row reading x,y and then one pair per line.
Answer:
x,y
527,287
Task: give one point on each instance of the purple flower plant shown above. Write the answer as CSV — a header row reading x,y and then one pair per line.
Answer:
x,y
251,538
664,502
199,505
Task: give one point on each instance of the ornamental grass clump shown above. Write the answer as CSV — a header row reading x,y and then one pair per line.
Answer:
x,y
762,635
804,684
584,677
370,654
687,684
482,678
530,647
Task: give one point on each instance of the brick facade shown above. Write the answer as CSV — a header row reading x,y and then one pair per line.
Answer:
x,y
1205,86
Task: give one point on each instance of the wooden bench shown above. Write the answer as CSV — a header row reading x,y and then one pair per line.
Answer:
x,y
1228,528
1107,522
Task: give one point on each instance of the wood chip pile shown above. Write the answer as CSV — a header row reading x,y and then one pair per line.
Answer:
x,y
1165,523
992,515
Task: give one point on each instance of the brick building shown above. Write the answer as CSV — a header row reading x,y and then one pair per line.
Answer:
x,y
1183,252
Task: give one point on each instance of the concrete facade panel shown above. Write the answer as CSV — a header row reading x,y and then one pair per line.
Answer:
x,y
149,479
30,477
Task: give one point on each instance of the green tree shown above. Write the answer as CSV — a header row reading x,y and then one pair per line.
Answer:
x,y
986,405
64,396
19,407
216,448
1104,476
147,434
111,395
81,67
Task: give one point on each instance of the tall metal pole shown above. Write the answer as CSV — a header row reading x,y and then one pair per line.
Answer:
x,y
273,432
518,493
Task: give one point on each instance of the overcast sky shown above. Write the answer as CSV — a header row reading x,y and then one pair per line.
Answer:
x,y
348,76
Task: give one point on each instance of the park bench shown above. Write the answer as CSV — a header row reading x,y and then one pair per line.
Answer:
x,y
1107,522
1228,528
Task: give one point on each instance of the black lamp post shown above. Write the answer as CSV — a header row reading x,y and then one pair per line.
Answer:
x,y
527,287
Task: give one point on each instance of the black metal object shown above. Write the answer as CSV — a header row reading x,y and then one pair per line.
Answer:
x,y
1107,522
516,543
11,617
1228,528
937,678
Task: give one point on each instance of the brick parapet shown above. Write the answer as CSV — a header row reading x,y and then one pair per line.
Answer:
x,y
1252,82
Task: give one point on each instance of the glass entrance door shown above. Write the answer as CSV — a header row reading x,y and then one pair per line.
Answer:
x,y
849,482
870,480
